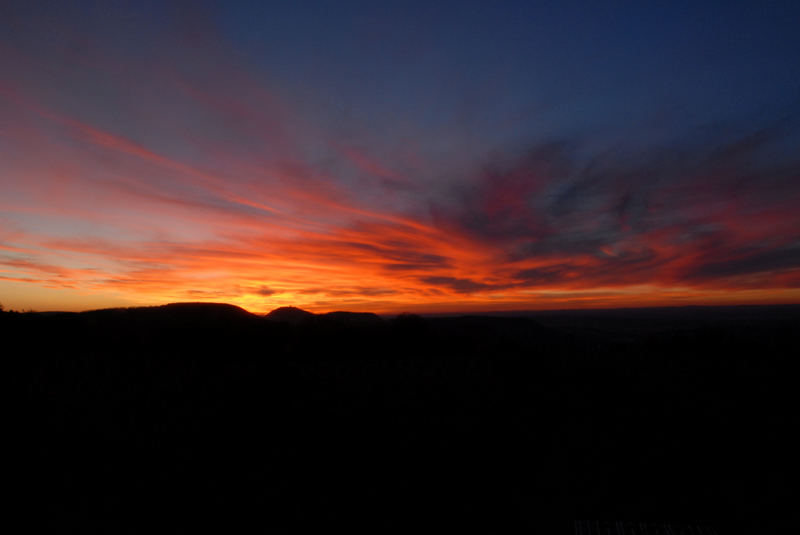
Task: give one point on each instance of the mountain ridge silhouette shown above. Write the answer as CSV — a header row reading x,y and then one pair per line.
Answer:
x,y
467,420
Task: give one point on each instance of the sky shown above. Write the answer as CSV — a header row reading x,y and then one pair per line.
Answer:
x,y
399,156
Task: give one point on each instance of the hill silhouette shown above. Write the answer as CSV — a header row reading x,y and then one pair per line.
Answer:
x,y
353,318
212,416
178,312
297,316
291,315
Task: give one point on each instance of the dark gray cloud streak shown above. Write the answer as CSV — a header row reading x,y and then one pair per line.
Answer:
x,y
722,209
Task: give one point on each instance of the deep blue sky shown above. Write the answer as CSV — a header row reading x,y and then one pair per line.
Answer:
x,y
564,66
501,71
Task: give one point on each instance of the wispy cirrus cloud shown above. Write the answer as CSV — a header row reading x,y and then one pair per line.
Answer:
x,y
194,178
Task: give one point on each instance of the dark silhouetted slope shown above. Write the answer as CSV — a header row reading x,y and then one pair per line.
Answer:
x,y
352,318
212,416
291,315
181,312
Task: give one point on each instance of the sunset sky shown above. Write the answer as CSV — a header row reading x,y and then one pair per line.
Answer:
x,y
399,156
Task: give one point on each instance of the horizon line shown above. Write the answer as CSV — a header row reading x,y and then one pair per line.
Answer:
x,y
466,312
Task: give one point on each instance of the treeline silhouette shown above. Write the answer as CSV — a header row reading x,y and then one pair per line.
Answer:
x,y
197,415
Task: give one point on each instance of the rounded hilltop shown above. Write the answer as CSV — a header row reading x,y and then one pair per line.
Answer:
x,y
292,315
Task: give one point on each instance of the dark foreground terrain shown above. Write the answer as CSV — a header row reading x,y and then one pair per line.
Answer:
x,y
186,416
